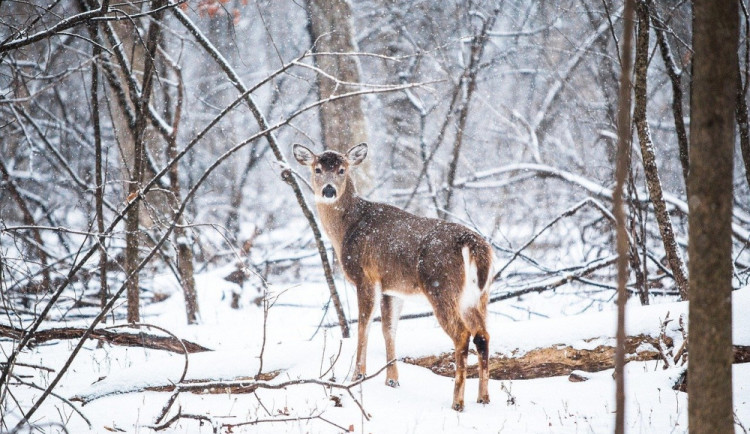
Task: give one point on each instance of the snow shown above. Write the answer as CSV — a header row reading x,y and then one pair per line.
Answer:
x,y
109,377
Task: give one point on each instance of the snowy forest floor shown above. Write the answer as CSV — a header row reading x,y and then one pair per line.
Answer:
x,y
126,388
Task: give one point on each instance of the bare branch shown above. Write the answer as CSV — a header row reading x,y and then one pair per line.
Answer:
x,y
62,25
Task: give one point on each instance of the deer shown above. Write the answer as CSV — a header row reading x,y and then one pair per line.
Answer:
x,y
388,253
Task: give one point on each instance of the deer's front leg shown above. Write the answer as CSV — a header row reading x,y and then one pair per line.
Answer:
x,y
366,295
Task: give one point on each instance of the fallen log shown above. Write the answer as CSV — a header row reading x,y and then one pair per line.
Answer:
x,y
146,340
557,360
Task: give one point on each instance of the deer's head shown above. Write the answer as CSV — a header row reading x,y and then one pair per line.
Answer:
x,y
330,169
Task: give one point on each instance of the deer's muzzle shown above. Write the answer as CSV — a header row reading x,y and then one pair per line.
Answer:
x,y
329,192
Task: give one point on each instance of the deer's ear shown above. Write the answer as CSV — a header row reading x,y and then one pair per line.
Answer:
x,y
303,155
357,154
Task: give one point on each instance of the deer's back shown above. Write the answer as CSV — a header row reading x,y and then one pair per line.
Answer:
x,y
401,250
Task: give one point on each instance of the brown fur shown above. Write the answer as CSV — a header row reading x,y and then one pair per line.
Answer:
x,y
381,246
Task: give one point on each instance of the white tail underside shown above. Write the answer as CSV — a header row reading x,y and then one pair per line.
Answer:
x,y
471,292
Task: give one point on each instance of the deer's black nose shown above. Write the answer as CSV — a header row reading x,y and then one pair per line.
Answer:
x,y
329,192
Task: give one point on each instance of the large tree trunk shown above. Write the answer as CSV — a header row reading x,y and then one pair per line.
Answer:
x,y
674,258
342,122
714,93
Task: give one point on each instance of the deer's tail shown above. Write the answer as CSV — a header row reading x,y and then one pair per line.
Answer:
x,y
477,258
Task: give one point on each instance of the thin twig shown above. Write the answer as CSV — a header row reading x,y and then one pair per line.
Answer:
x,y
61,398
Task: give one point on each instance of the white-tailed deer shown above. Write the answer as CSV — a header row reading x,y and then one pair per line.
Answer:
x,y
387,252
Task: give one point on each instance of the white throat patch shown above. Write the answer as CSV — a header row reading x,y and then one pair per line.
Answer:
x,y
325,200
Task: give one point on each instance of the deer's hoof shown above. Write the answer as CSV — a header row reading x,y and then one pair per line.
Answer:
x,y
458,406
484,399
392,383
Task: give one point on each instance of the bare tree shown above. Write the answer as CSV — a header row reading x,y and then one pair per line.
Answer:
x,y
183,237
712,139
623,167
675,74
465,90
132,253
98,169
674,258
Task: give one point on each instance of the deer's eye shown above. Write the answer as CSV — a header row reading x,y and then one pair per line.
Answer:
x,y
341,171
317,170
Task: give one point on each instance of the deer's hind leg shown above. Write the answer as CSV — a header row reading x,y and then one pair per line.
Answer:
x,y
475,319
443,289
450,319
461,342
390,311
482,342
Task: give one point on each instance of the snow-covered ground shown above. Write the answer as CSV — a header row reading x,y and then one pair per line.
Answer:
x,y
296,346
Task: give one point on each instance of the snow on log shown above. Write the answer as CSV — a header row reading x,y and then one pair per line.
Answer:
x,y
165,370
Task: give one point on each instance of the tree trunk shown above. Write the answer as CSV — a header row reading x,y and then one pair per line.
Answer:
x,y
742,122
674,258
742,111
624,136
182,236
132,243
98,175
714,94
639,269
675,77
342,122
141,119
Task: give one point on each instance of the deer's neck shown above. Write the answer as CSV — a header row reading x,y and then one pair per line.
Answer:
x,y
339,216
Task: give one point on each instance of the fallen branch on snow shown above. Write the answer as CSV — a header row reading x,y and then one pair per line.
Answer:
x,y
229,426
244,386
103,335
